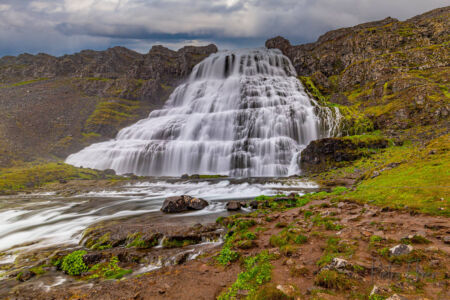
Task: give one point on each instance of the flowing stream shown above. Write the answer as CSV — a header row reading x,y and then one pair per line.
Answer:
x,y
40,220
241,113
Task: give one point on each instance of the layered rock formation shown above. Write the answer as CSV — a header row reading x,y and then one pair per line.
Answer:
x,y
395,73
56,105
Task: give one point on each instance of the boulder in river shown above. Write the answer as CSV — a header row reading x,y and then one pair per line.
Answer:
x,y
182,203
233,205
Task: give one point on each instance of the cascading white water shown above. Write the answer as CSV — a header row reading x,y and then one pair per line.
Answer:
x,y
241,113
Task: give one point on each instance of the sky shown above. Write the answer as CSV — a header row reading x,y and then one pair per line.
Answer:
x,y
62,27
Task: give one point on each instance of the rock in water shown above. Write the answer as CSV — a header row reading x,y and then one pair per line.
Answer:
x,y
182,203
233,205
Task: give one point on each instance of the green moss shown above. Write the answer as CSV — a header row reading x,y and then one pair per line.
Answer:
x,y
37,174
115,113
138,242
108,270
420,183
73,263
100,244
258,270
97,79
313,90
39,270
22,83
176,243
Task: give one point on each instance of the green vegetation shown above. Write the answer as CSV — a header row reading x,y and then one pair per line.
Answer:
x,y
419,182
331,279
22,83
108,270
37,174
410,176
100,244
176,243
258,271
288,236
113,113
335,248
138,242
73,263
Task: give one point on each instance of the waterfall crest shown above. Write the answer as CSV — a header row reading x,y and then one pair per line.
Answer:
x,y
241,113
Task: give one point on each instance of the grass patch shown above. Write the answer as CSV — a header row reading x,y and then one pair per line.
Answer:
x,y
37,174
335,248
331,279
108,270
258,270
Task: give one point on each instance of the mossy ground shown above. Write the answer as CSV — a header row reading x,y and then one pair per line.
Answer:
x,y
411,176
36,174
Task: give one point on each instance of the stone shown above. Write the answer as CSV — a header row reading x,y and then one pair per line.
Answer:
x,y
182,203
396,297
185,176
401,249
338,263
25,275
233,205
446,239
287,289
92,258
109,172
254,204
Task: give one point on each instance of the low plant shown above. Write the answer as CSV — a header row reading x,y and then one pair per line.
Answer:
x,y
73,263
258,270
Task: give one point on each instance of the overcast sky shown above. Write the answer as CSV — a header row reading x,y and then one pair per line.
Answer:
x,y
67,26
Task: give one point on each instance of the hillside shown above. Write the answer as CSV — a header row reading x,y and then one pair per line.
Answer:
x,y
394,73
53,106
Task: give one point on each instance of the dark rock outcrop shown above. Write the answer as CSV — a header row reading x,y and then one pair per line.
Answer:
x,y
326,153
388,71
233,205
178,204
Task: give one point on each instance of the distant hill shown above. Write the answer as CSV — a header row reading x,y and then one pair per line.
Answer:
x,y
53,106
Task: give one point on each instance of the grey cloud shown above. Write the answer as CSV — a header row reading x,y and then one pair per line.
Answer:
x,y
61,26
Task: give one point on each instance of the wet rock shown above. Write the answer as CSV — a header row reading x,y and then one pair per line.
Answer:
x,y
92,258
178,204
25,275
401,249
194,176
233,205
254,204
325,153
446,239
109,172
181,258
185,176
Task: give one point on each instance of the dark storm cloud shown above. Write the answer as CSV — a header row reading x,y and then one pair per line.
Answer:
x,y
62,26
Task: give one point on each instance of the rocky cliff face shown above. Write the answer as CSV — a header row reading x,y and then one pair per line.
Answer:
x,y
394,73
53,106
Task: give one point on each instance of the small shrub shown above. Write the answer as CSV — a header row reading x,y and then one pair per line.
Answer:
x,y
73,263
300,239
330,279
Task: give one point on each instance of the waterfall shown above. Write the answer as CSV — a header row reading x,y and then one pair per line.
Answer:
x,y
240,113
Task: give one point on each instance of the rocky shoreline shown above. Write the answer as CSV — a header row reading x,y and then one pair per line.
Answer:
x,y
316,246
